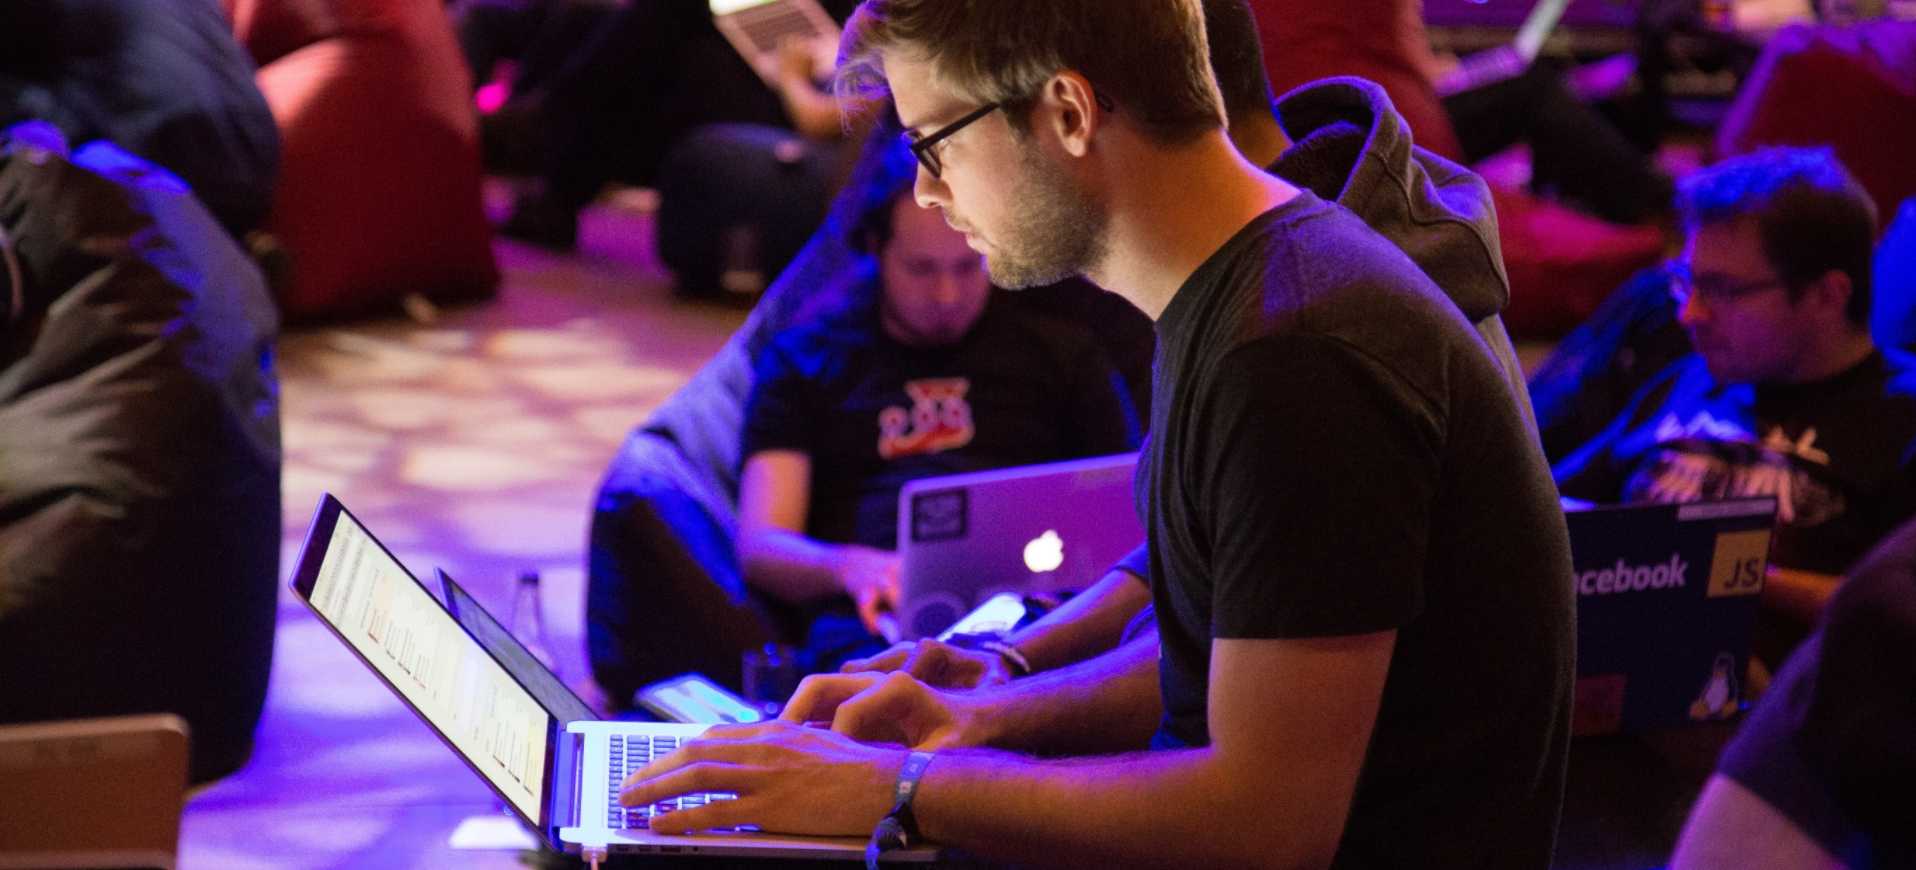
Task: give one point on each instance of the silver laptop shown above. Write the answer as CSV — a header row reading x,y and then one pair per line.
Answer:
x,y
1490,66
93,793
560,776
1036,528
756,28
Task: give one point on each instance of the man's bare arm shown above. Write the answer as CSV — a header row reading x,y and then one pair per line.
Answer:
x,y
1303,707
1090,624
777,557
1733,827
1801,594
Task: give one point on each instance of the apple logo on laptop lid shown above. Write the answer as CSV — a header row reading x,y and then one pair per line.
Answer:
x,y
1044,553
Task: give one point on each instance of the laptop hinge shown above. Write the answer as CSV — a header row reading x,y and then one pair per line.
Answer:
x,y
569,768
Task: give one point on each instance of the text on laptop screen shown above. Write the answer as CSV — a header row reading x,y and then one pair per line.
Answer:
x,y
398,626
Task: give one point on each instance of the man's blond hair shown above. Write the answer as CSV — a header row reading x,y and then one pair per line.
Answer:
x,y
1149,58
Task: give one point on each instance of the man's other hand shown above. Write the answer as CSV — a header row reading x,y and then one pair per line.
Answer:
x,y
892,708
938,664
870,577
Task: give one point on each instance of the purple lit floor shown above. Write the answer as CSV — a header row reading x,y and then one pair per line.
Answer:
x,y
473,442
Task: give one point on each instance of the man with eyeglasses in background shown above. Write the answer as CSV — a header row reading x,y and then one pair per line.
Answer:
x,y
1786,394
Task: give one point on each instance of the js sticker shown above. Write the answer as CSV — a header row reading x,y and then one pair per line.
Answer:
x,y
1737,568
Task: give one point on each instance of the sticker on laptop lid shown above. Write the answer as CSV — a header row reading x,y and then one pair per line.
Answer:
x,y
1737,566
939,515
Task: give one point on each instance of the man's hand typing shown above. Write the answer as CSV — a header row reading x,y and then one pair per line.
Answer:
x,y
789,779
891,708
938,664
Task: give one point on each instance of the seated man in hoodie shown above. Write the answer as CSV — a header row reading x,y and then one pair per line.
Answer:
x,y
1435,210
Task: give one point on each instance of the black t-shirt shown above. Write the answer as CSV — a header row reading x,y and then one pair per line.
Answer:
x,y
873,414
1832,745
1335,451
1836,453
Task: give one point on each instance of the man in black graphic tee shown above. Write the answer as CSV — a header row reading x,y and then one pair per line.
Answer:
x,y
1786,395
917,368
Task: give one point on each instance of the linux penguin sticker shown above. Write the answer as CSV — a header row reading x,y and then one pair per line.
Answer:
x,y
1719,697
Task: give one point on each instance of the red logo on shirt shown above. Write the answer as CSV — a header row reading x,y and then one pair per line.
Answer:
x,y
939,420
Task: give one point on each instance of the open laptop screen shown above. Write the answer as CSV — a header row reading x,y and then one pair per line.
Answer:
x,y
419,649
546,686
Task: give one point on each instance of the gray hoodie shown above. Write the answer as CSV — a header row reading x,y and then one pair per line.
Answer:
x,y
1351,147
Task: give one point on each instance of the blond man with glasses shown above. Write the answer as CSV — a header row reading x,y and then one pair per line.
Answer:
x,y
1356,553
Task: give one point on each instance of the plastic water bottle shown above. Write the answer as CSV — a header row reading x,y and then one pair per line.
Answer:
x,y
740,272
529,620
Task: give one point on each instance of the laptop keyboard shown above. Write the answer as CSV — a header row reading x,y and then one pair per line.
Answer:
x,y
631,752
770,24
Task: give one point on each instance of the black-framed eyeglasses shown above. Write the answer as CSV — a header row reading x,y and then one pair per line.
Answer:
x,y
921,146
1683,285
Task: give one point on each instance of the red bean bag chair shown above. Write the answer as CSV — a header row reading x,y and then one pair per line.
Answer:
x,y
1561,263
1380,40
1851,88
379,183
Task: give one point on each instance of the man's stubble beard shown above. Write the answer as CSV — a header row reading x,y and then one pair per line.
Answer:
x,y
1057,233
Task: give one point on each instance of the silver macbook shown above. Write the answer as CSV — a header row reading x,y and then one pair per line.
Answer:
x,y
1490,66
1036,528
756,28
560,776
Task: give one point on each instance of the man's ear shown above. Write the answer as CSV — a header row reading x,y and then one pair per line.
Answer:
x,y
1068,105
1831,293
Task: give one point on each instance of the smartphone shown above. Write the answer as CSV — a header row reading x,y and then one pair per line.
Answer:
x,y
694,699
998,615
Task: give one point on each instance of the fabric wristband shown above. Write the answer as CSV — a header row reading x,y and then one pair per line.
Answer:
x,y
1019,664
899,828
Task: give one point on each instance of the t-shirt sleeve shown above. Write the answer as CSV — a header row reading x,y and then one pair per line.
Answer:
x,y
1857,727
1321,467
778,412
1764,756
1828,746
1137,563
